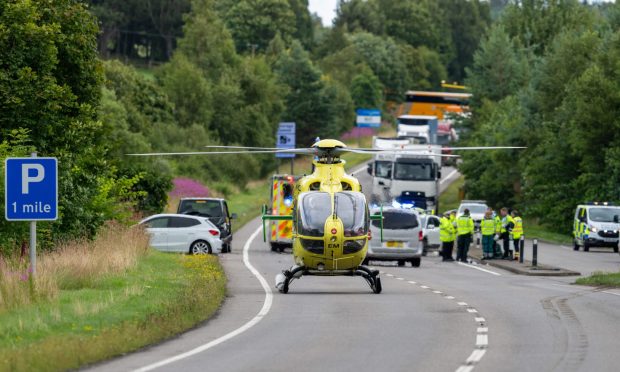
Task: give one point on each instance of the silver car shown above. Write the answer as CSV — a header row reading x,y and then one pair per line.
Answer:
x,y
183,233
402,237
430,232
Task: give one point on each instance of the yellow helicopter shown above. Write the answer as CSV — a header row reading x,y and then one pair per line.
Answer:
x,y
330,213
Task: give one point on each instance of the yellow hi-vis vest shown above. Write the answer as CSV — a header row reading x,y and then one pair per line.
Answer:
x,y
498,225
464,225
517,231
487,226
505,221
446,230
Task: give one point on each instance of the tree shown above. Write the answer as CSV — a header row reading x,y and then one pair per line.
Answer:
x,y
360,15
367,90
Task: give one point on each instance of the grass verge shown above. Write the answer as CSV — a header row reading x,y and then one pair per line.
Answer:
x,y
87,321
601,279
449,198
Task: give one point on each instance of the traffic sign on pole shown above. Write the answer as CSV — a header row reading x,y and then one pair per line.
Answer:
x,y
31,189
370,118
285,139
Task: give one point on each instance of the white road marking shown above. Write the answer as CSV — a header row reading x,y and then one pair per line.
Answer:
x,y
479,268
479,320
412,282
449,297
472,310
400,278
359,170
462,303
448,176
476,356
465,369
438,292
611,293
423,286
261,314
483,330
482,340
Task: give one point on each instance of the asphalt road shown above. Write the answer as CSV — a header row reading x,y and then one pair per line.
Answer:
x,y
440,317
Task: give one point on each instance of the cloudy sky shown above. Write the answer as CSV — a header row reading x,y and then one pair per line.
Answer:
x,y
326,9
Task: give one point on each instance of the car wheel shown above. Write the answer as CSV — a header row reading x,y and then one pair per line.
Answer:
x,y
401,263
415,262
200,247
586,247
575,245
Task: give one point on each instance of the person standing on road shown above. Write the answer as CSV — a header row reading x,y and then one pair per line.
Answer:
x,y
517,231
507,226
487,230
465,231
498,231
446,235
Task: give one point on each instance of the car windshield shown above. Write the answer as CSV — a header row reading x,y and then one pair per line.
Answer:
x,y
397,220
413,171
412,121
351,209
474,208
603,214
314,209
204,208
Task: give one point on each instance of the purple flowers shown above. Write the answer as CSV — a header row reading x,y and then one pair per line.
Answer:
x,y
356,132
187,187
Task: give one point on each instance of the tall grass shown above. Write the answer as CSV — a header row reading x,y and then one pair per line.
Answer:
x,y
73,265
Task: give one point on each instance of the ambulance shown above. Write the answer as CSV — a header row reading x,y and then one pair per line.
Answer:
x,y
280,233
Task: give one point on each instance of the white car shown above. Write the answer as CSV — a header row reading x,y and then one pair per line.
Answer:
x,y
402,237
430,232
183,233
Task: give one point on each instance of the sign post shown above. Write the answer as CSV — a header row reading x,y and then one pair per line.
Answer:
x,y
31,194
285,140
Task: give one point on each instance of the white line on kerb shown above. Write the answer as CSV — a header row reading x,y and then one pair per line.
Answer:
x,y
261,314
479,268
448,176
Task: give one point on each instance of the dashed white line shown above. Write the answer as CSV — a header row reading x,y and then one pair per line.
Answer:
x,y
482,340
462,303
424,287
390,275
472,310
482,330
449,297
476,356
261,314
400,278
438,292
479,268
465,369
412,282
479,320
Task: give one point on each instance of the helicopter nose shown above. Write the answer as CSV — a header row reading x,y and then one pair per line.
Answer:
x,y
334,231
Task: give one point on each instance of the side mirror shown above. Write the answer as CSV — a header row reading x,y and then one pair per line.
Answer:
x,y
616,219
233,216
369,169
438,174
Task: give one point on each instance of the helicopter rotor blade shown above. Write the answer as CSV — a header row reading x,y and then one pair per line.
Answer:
x,y
286,151
241,147
484,148
400,152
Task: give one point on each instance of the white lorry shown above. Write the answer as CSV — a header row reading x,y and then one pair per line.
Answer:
x,y
422,128
411,172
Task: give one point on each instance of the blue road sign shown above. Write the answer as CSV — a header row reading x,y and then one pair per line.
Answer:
x,y
31,189
285,139
370,118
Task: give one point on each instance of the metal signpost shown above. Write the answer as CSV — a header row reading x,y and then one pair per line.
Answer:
x,y
285,139
31,194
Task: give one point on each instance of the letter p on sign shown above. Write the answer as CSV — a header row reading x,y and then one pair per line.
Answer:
x,y
39,175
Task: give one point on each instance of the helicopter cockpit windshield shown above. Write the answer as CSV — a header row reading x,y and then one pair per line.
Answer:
x,y
351,209
314,208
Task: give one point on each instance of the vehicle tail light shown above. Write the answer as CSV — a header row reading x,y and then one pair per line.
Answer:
x,y
420,236
214,232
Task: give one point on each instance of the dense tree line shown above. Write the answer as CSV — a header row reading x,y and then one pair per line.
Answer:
x,y
546,77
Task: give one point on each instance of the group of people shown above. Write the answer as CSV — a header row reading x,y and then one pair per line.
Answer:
x,y
493,228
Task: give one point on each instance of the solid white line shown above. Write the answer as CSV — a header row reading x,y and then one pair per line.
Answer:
x,y
448,176
359,170
476,356
462,303
482,340
465,369
483,330
611,293
472,310
261,314
479,319
479,268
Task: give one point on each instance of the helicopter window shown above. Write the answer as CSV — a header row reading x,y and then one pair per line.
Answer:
x,y
314,209
315,186
383,169
351,209
346,186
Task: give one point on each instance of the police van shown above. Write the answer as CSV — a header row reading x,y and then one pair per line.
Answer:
x,y
596,225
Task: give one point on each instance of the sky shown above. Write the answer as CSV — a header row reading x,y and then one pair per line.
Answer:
x,y
326,9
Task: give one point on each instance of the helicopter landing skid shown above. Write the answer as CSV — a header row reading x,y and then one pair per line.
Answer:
x,y
284,279
371,276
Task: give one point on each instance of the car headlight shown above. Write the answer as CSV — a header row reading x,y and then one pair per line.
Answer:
x,y
593,229
352,246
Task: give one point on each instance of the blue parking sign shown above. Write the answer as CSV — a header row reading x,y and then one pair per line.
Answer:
x,y
31,189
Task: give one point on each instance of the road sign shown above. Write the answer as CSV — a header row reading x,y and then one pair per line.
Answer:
x,y
370,118
31,189
285,139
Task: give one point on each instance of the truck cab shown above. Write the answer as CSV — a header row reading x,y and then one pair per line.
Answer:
x,y
596,224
